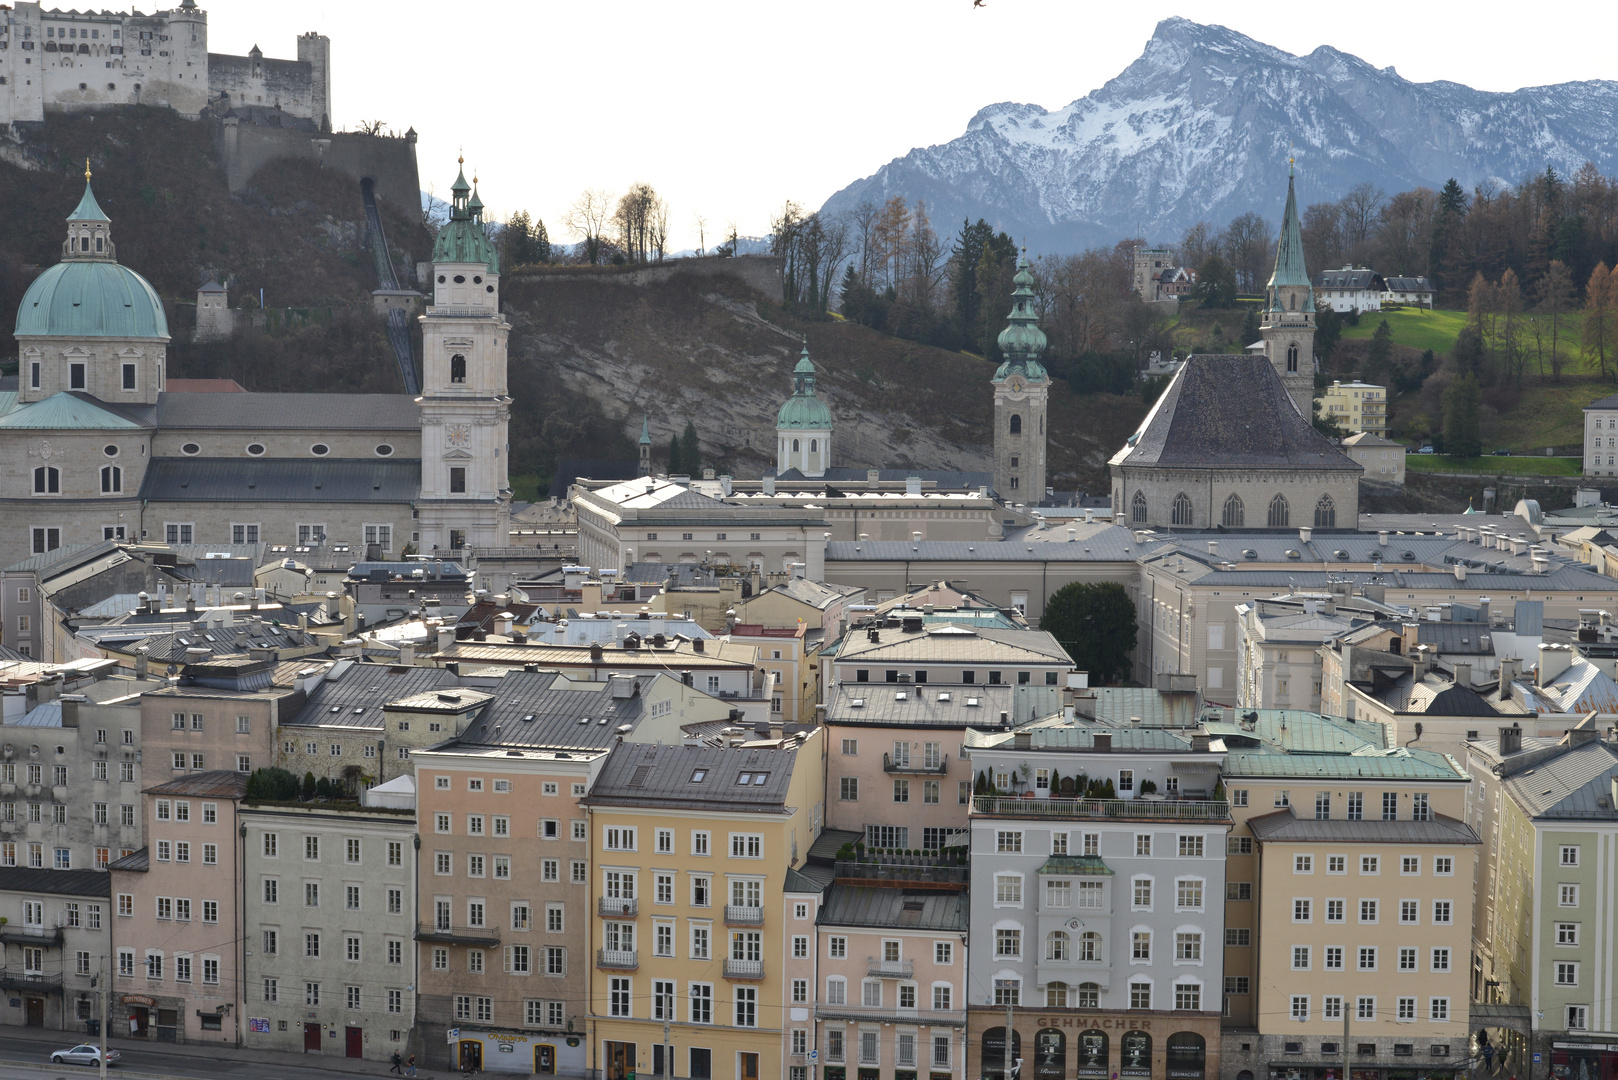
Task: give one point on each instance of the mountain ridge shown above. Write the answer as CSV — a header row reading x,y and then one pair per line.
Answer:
x,y
1199,125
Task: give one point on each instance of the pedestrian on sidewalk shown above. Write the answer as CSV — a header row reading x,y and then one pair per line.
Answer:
x,y
412,1065
397,1062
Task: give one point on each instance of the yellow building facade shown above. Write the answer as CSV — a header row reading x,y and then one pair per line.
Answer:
x,y
1356,406
691,851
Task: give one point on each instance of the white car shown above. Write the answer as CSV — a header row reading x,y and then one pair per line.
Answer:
x,y
84,1054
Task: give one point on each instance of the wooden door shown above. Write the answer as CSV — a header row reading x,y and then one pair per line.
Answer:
x,y
749,1067
545,1059
620,1060
311,1038
36,1012
354,1044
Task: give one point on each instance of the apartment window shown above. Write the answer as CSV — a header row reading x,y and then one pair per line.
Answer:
x,y
1142,893
1370,864
1367,958
1444,866
1322,805
1238,845
1438,1009
1302,910
1569,855
1368,911
1567,973
1390,806
1334,910
1190,847
1008,889
1356,806
1419,808
1406,1010
1303,864
1365,1008
1300,1007
1337,864
1010,842
1238,937
1407,959
1300,958
1408,911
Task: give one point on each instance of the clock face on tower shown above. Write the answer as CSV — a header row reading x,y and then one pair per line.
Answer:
x,y
1016,384
457,434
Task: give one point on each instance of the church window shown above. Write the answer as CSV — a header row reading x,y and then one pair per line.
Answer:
x,y
256,449
384,450
380,535
244,533
1137,507
1234,514
129,376
1292,357
1325,513
1292,301
794,446
75,376
84,241
312,534
457,539
33,375
110,450
98,239
1279,515
1014,460
441,279
460,279
47,480
457,367
320,449
47,539
1016,424
1180,514
457,480
190,449
814,446
477,280
112,479
177,532
1015,483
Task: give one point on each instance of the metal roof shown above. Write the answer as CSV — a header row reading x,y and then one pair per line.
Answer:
x,y
71,411
937,910
138,861
366,688
1286,827
91,298
215,783
545,709
941,706
1398,764
949,643
252,412
56,882
807,879
1573,784
1058,734
1095,543
696,778
298,480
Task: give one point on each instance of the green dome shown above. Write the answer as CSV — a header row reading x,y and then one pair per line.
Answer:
x,y
1022,341
803,410
462,239
91,298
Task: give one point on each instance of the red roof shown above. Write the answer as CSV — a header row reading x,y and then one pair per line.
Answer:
x,y
204,386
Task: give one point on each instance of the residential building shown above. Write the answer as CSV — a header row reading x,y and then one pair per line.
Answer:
x,y
1381,457
906,650
1407,290
221,714
1356,407
791,667
1096,928
889,973
1348,897
55,938
176,919
1601,437
329,912
1353,288
1545,808
503,900
699,841
799,600
1277,647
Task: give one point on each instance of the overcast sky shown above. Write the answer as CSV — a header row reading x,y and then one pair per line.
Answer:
x,y
729,107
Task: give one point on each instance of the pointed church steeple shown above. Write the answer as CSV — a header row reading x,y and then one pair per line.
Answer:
x,y
1289,267
645,446
1021,386
1288,328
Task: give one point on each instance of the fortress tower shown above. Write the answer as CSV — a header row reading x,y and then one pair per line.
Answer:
x,y
1021,388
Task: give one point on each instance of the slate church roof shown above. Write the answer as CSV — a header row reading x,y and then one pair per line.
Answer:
x,y
1229,411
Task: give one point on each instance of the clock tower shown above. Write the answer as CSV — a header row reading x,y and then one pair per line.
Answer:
x,y
1021,387
465,409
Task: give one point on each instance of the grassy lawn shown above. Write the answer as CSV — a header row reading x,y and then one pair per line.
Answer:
x,y
1415,327
1547,414
1495,466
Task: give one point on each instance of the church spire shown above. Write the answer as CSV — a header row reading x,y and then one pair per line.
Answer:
x,y
89,230
1289,268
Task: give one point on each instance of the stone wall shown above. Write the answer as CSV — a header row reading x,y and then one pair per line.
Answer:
x,y
390,163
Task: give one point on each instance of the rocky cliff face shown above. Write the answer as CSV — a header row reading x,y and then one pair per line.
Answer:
x,y
1200,127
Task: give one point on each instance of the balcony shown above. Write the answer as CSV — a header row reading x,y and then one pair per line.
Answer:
x,y
743,915
617,907
900,875
445,934
744,969
31,935
617,959
889,969
891,766
1118,809
37,981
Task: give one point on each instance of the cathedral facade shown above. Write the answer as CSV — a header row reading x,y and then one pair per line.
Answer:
x,y
98,446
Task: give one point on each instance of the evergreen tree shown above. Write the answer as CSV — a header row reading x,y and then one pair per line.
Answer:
x,y
1461,399
690,452
676,465
1216,283
1446,225
1096,624
1380,359
996,268
964,259
1250,326
1328,328
539,243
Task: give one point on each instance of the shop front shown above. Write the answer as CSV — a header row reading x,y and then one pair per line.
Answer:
x,y
155,1018
1578,1060
540,1053
1321,1070
1076,1044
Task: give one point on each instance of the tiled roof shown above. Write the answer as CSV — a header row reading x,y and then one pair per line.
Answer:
x,y
288,412
259,480
1407,284
56,882
939,910
1284,826
703,778
1230,411
215,783
138,861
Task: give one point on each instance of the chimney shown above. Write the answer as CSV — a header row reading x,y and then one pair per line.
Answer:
x,y
142,662
1576,736
1201,743
1463,674
1510,740
873,479
407,654
1072,535
1330,606
1213,545
1305,532
697,646
768,485
1508,672
1382,537
595,653
1460,572
1103,741
1089,515
1422,657
70,709
1553,660
726,484
685,677
191,604
502,623
1483,610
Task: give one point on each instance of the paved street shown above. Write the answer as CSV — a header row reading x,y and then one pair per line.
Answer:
x,y
25,1055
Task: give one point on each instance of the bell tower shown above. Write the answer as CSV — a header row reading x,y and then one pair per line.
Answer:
x,y
465,408
1021,388
1288,327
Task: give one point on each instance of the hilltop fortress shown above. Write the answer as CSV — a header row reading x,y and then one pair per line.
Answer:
x,y
71,61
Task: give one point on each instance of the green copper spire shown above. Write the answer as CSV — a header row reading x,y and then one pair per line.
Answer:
x,y
1289,268
462,239
1022,341
88,209
645,431
803,409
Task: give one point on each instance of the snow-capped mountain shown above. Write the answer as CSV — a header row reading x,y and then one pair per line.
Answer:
x,y
1200,127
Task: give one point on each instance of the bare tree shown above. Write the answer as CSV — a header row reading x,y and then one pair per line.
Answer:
x,y
1197,244
641,218
1248,245
588,217
1361,211
863,220
702,226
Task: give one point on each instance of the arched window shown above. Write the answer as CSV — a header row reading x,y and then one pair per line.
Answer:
x,y
1292,357
814,446
1325,513
1181,512
47,480
1089,996
794,446
1137,507
1056,945
1090,946
1292,301
1056,995
457,368
1135,1047
1234,513
1279,516
1016,423
112,479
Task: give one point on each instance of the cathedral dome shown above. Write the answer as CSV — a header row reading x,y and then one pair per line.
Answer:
x,y
462,239
91,299
803,410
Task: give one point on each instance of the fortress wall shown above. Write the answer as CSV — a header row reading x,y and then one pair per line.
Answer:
x,y
389,162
